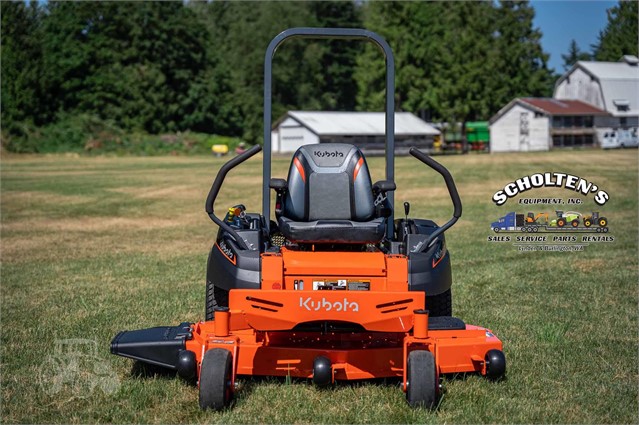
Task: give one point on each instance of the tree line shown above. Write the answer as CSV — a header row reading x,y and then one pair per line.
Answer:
x,y
620,37
162,67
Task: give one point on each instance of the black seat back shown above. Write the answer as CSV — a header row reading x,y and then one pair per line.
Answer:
x,y
329,181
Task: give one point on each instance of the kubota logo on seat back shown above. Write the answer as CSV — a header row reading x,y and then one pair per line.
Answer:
x,y
316,305
329,154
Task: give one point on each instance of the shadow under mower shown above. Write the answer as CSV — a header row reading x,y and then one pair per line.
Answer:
x,y
334,288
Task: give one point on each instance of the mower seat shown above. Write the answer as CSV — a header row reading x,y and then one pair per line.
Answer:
x,y
329,197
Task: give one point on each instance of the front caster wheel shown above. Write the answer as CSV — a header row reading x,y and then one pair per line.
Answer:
x,y
495,364
322,371
421,379
215,380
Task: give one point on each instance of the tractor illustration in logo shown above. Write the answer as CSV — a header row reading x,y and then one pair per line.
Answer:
x,y
565,221
76,367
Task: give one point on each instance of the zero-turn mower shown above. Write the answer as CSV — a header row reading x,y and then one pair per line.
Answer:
x,y
334,288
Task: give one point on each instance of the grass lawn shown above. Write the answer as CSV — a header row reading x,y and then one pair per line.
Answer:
x,y
91,246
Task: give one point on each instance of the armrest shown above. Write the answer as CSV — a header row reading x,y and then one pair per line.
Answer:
x,y
278,184
384,186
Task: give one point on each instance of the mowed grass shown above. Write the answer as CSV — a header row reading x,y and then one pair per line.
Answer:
x,y
92,246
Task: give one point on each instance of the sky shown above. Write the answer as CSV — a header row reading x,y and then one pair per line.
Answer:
x,y
562,21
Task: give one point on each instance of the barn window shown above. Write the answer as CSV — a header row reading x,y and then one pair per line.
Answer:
x,y
588,121
622,105
557,141
568,121
556,121
578,121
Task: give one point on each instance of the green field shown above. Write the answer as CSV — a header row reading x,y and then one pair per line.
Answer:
x,y
91,246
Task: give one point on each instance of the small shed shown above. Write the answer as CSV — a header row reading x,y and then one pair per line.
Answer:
x,y
539,124
363,129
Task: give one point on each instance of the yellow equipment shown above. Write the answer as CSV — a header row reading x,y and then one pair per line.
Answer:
x,y
220,150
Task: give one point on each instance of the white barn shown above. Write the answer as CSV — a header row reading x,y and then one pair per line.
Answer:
x,y
364,129
539,124
611,86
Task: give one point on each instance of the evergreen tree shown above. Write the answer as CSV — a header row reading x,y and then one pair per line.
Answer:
x,y
574,54
523,65
455,61
620,37
21,88
335,87
307,74
139,64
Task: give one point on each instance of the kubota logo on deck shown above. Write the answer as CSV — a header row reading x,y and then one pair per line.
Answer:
x,y
315,305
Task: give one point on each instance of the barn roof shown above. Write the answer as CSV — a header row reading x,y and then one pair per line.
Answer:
x,y
619,82
563,107
324,123
550,106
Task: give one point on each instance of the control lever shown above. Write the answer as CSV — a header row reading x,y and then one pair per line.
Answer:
x,y
406,211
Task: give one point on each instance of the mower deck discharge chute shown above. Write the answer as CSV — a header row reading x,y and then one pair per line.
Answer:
x,y
334,288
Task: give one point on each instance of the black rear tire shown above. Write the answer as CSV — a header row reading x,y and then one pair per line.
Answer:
x,y
421,379
440,305
215,380
215,297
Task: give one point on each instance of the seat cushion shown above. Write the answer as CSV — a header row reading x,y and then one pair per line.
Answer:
x,y
333,231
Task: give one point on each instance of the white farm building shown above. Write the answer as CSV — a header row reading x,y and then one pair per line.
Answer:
x,y
594,104
363,129
611,86
538,124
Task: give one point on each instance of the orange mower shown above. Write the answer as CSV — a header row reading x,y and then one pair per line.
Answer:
x,y
334,288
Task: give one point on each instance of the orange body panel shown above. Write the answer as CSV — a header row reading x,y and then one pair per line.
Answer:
x,y
383,272
282,310
272,271
259,332
334,263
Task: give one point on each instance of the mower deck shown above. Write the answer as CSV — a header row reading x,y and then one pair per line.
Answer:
x,y
352,356
382,353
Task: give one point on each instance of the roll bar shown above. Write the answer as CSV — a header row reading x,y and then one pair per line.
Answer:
x,y
328,33
452,191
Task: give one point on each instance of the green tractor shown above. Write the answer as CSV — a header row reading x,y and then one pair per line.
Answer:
x,y
566,218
